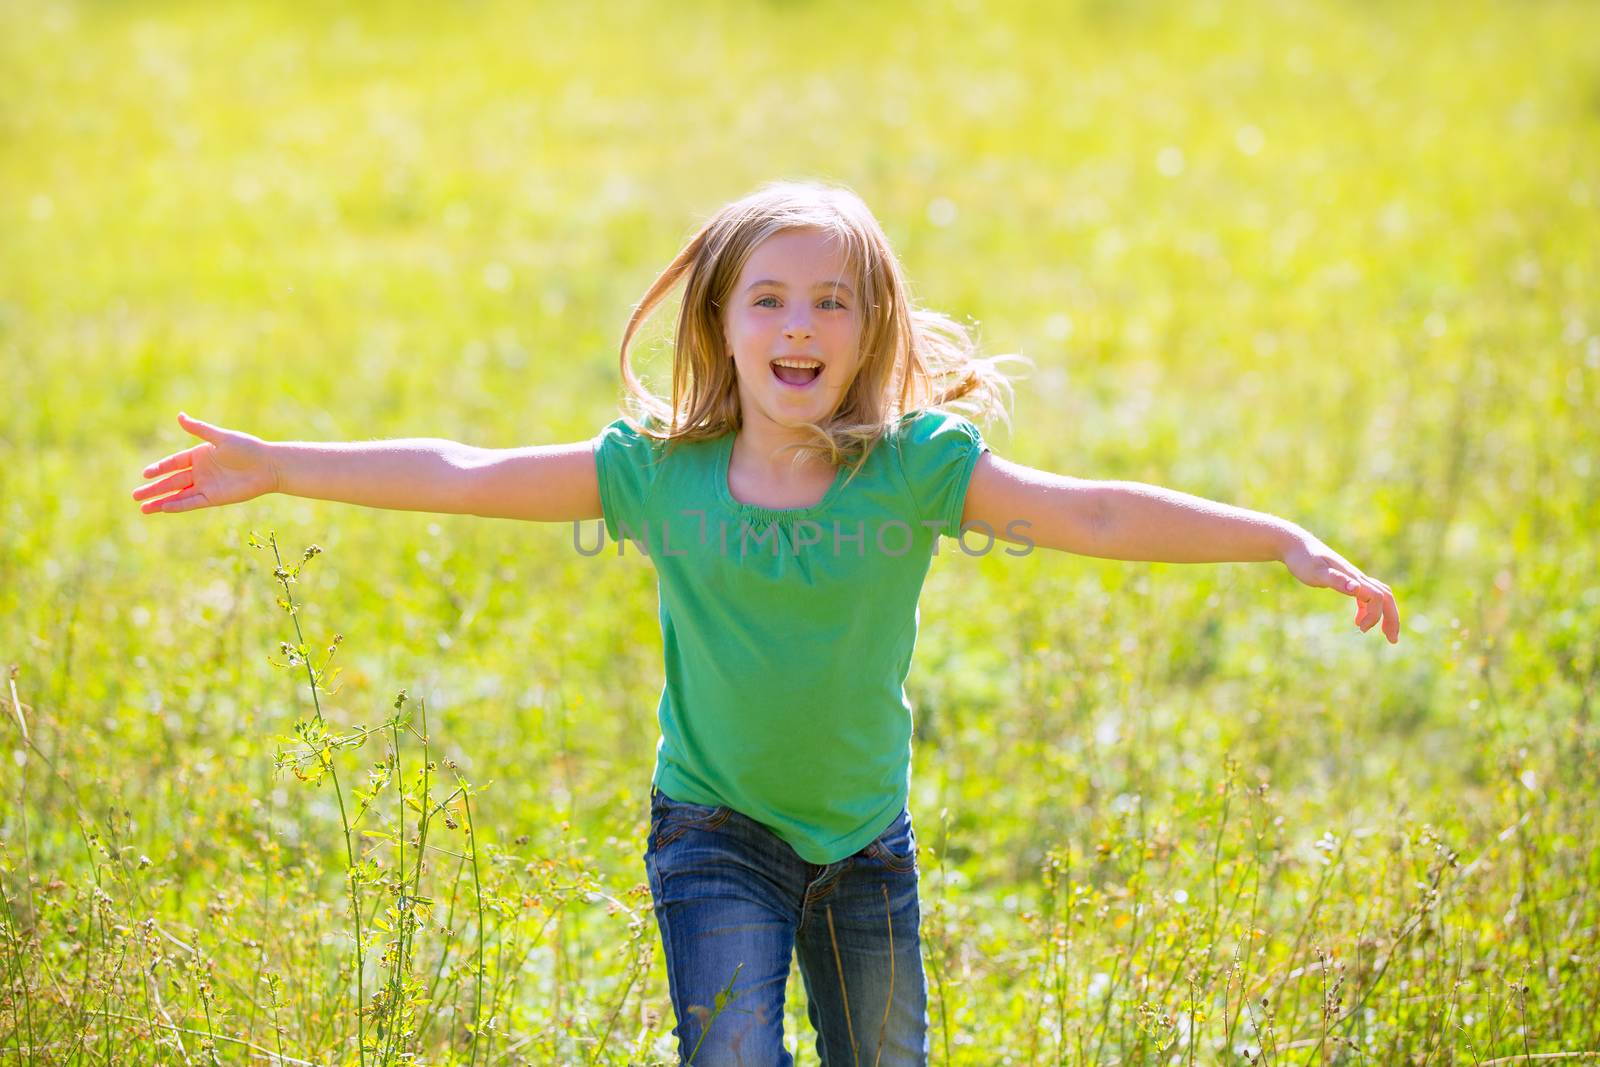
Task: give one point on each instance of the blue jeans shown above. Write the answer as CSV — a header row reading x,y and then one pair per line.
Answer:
x,y
734,901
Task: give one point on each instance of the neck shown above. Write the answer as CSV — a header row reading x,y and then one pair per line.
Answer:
x,y
757,447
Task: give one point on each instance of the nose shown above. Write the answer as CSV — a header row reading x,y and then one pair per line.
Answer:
x,y
799,325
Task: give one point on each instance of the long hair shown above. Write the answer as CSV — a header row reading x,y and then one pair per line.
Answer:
x,y
911,358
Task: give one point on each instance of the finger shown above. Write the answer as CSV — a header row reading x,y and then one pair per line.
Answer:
x,y
186,502
1355,586
172,483
1380,608
1391,617
1341,581
1368,615
203,430
160,505
176,461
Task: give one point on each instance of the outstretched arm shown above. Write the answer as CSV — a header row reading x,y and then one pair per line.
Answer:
x,y
1134,521
547,483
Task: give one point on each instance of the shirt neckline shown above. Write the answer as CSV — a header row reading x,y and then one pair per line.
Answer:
x,y
724,459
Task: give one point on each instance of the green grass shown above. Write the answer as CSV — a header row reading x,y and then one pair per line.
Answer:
x,y
1333,261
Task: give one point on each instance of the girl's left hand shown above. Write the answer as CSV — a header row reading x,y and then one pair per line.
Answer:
x,y
1315,564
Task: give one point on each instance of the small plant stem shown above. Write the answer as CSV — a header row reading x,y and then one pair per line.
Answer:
x,y
1249,941
205,1004
477,888
391,1038
81,1039
344,818
276,1028
449,946
937,957
144,987
725,997
637,965
96,912
1244,970
1522,1011
105,998
266,910
1191,1021
1531,893
1061,961
422,830
27,860
15,968
407,900
558,966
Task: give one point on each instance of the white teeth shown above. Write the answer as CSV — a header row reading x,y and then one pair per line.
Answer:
x,y
803,363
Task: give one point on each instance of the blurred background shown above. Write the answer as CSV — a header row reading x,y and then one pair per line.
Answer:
x,y
1335,261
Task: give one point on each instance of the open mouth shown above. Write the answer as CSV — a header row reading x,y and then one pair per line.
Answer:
x,y
796,373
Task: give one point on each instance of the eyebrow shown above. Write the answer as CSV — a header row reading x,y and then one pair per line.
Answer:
x,y
779,285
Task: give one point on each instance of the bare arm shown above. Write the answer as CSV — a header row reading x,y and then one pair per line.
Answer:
x,y
540,483
1122,520
544,483
1134,521
551,483
413,474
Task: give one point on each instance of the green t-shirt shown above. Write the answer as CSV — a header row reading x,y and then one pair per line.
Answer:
x,y
788,633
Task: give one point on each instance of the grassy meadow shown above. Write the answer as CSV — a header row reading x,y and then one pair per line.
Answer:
x,y
1335,261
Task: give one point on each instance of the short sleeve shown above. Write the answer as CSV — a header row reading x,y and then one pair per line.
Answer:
x,y
938,451
625,462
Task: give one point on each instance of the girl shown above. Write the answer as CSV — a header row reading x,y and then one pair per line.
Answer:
x,y
790,493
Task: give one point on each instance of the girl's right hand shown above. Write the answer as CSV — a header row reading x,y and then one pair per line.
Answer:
x,y
228,467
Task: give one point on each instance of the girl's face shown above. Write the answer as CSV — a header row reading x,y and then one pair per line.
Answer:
x,y
793,304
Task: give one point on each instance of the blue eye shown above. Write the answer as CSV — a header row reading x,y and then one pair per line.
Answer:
x,y
830,300
826,299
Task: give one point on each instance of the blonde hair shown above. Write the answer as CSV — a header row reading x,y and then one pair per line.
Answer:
x,y
911,358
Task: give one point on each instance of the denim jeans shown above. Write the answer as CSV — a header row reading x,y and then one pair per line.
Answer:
x,y
734,901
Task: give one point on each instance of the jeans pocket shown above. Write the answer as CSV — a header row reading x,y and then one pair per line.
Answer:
x,y
896,847
671,819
